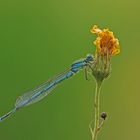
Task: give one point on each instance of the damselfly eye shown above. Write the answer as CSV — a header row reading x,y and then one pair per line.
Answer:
x,y
89,57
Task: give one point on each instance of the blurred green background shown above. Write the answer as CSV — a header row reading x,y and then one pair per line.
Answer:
x,y
40,38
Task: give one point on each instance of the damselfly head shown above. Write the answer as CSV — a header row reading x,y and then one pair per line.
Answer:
x,y
89,58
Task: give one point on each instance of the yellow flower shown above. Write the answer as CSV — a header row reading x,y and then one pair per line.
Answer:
x,y
106,42
107,46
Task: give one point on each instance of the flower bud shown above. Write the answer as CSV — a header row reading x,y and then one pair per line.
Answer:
x,y
103,115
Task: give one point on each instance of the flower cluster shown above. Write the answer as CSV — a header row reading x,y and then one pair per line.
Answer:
x,y
106,47
106,42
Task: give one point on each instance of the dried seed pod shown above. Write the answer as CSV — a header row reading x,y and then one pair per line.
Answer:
x,y
103,115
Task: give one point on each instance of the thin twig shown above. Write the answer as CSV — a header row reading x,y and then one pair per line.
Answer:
x,y
95,130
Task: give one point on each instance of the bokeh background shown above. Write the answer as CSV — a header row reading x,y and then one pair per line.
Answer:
x,y
40,38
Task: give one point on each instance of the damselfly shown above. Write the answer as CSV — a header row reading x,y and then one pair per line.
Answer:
x,y
43,90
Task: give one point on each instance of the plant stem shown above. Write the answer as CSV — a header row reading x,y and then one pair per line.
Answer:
x,y
97,111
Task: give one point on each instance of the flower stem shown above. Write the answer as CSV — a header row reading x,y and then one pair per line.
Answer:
x,y
95,130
